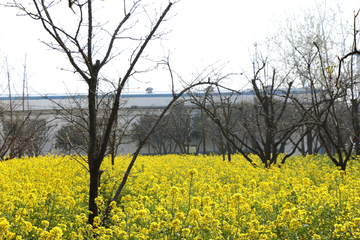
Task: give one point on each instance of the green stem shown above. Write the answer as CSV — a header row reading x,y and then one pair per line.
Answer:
x,y
189,196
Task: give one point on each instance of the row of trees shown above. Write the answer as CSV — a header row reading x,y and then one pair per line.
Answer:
x,y
306,99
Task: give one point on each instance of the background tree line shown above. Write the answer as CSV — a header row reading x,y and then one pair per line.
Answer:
x,y
306,97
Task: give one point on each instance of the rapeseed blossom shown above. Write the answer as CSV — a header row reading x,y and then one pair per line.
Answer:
x,y
181,197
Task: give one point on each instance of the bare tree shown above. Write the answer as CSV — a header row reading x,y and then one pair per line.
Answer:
x,y
85,42
81,47
73,136
221,107
263,126
24,130
330,104
69,138
159,141
308,49
181,127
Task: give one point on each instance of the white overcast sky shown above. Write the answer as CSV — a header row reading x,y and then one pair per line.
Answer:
x,y
202,32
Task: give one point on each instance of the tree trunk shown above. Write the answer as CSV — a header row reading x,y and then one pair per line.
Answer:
x,y
302,149
93,192
228,150
94,166
309,142
221,145
267,148
282,147
355,120
203,132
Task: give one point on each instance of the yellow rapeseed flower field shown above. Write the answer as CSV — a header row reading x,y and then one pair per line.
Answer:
x,y
181,197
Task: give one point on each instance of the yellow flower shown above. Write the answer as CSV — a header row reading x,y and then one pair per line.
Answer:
x,y
336,175
154,226
5,188
357,222
185,232
174,190
44,235
115,218
27,227
180,216
293,224
122,234
339,228
192,173
97,221
206,200
56,233
175,223
252,183
237,199
31,198
44,223
112,205
4,227
196,201
143,213
100,202
194,213
253,233
264,237
316,237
